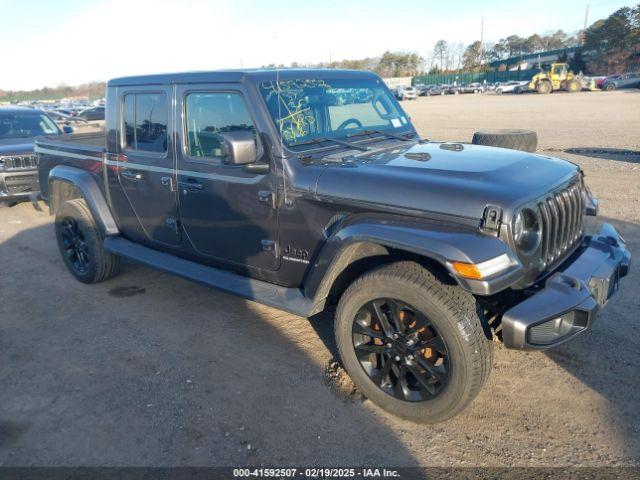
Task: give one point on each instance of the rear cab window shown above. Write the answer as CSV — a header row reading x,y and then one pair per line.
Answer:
x,y
145,122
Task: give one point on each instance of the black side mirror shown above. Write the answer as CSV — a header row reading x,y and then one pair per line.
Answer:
x,y
67,129
239,147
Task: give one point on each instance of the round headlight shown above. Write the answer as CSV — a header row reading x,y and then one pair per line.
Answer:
x,y
526,231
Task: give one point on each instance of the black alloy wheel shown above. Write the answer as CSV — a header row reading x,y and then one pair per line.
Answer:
x,y
75,246
400,350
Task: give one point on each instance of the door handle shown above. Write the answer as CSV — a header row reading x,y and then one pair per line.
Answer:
x,y
131,175
260,168
191,186
167,182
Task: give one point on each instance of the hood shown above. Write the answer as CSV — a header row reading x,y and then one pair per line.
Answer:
x,y
446,178
16,146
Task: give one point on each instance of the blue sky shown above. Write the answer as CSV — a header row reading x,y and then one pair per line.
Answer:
x,y
74,41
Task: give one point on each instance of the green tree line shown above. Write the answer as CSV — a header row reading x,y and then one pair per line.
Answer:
x,y
90,90
608,45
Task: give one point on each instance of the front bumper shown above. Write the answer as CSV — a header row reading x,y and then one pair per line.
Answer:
x,y
18,185
570,299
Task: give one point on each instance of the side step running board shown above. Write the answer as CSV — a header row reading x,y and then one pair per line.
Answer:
x,y
288,299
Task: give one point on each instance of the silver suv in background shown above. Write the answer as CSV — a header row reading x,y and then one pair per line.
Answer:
x,y
403,92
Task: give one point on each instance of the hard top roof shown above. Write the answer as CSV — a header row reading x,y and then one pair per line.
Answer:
x,y
234,76
18,109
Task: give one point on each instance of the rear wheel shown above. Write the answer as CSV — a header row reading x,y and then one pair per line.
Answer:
x,y
609,87
80,243
543,87
413,345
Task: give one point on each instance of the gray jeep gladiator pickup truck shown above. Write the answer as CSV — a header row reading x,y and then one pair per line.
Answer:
x,y
302,189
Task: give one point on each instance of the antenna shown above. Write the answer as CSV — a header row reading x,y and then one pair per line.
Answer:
x,y
279,129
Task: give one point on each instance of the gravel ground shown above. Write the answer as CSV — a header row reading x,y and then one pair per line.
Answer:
x,y
148,369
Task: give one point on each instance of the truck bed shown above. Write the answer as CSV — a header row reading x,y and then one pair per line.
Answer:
x,y
94,141
82,151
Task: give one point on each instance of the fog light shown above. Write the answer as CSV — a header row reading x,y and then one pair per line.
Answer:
x,y
552,330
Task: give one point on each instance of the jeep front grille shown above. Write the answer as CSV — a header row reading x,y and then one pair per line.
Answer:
x,y
561,213
20,162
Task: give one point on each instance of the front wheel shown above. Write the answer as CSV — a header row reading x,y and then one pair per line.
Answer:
x,y
413,345
574,86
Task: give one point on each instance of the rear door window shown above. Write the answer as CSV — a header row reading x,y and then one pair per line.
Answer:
x,y
145,122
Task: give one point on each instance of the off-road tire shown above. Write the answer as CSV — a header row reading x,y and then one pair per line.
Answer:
x,y
574,86
544,87
456,315
525,140
101,264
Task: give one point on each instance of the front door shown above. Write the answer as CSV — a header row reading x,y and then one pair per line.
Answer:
x,y
147,164
228,213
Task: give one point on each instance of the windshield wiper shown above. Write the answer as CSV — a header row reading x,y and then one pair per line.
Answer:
x,y
403,137
334,140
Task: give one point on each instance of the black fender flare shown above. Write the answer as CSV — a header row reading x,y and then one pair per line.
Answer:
x,y
434,240
89,189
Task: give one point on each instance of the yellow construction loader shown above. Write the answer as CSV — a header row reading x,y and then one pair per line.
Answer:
x,y
559,77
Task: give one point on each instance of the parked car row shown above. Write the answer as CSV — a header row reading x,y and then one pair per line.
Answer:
x,y
607,83
430,90
86,114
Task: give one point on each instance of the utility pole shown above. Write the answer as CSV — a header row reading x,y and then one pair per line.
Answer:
x,y
584,28
586,17
481,40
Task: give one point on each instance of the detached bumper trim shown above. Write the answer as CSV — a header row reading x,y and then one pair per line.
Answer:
x,y
18,184
574,296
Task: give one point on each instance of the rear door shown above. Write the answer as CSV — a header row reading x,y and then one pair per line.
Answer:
x,y
146,164
227,213
630,80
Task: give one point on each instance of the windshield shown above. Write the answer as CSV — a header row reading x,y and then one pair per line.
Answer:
x,y
24,125
308,109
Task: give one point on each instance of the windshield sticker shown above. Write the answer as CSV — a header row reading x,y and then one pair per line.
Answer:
x,y
306,110
395,122
295,119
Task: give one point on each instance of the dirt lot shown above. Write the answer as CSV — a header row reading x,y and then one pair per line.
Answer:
x,y
148,369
